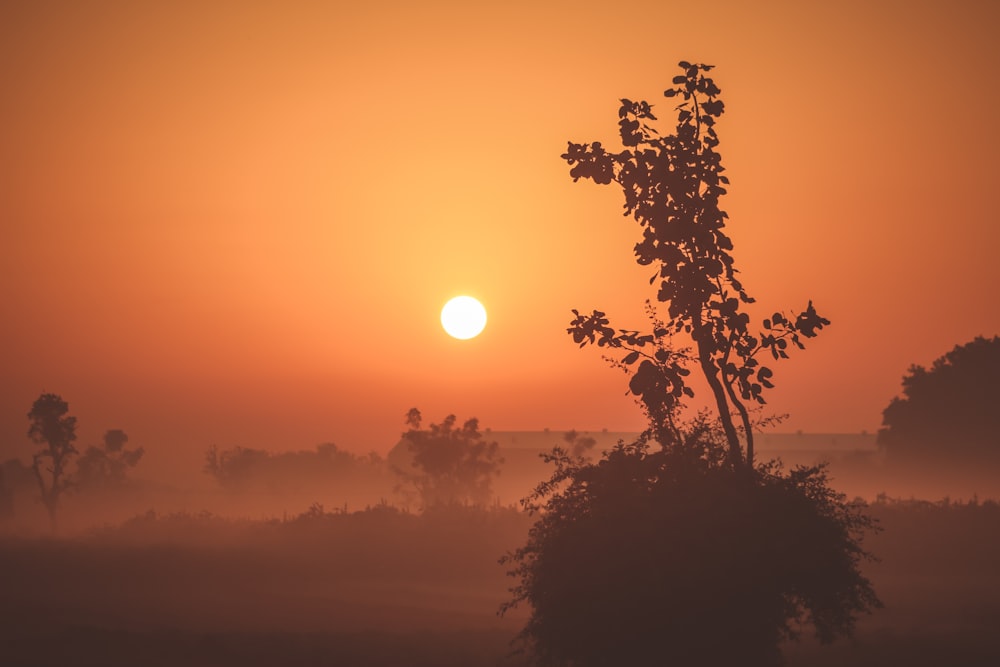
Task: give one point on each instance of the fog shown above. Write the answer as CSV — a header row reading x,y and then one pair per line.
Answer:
x,y
262,484
321,556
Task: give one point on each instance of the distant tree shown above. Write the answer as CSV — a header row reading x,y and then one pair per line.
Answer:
x,y
449,464
246,469
234,467
579,445
107,466
949,412
689,553
54,431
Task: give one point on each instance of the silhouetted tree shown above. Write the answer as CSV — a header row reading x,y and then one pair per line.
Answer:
x,y
54,431
949,412
690,553
107,466
672,186
450,464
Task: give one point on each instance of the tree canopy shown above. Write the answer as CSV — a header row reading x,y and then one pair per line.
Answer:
x,y
948,412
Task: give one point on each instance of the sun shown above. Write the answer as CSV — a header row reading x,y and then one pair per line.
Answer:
x,y
463,317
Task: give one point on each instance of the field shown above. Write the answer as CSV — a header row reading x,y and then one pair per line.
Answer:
x,y
386,587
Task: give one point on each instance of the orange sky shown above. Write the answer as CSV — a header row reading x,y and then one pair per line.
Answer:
x,y
237,226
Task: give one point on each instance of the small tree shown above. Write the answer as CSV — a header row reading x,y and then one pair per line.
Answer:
x,y
54,431
450,464
107,466
672,186
692,554
948,413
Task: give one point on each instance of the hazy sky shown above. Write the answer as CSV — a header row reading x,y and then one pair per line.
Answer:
x,y
236,222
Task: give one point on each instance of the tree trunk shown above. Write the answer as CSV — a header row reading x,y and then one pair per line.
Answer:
x,y
711,372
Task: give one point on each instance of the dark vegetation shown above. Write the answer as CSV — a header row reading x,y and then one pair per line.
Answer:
x,y
647,545
948,414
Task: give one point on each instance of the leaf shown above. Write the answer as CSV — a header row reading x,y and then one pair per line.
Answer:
x,y
630,358
713,107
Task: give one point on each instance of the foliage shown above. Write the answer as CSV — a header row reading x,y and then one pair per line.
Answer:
x,y
672,186
672,557
107,466
54,431
949,411
451,464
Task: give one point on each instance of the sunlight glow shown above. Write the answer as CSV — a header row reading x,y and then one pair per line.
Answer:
x,y
463,317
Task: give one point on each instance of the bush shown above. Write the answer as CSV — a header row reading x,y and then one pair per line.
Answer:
x,y
659,557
